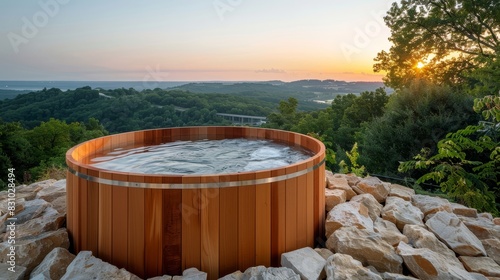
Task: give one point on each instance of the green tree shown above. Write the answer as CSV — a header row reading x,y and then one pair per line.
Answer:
x,y
15,151
416,117
354,166
487,77
451,37
363,109
467,164
50,138
287,116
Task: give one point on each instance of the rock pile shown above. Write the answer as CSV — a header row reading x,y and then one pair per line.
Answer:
x,y
386,231
374,230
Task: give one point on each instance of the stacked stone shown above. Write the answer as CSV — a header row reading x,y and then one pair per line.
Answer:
x,y
378,230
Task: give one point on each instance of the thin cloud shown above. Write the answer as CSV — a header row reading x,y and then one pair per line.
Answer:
x,y
272,70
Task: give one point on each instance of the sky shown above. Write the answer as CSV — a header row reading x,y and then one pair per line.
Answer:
x,y
197,40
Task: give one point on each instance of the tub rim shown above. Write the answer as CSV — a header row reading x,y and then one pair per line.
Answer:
x,y
176,181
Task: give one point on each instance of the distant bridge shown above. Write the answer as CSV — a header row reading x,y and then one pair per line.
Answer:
x,y
244,119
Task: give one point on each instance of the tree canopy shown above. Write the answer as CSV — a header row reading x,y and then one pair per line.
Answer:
x,y
450,39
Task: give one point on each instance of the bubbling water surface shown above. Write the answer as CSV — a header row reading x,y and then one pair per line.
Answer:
x,y
202,157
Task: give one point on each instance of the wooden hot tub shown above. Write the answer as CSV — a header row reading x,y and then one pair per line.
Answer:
x,y
219,223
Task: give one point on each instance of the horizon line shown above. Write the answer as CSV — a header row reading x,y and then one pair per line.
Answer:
x,y
197,81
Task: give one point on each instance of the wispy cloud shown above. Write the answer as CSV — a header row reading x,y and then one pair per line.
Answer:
x,y
271,70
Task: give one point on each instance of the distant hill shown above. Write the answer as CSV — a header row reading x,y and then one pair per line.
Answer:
x,y
127,109
11,93
307,92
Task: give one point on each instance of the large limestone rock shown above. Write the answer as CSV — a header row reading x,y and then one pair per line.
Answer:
x,y
492,247
85,266
18,272
35,187
347,214
3,224
334,197
448,228
461,210
430,204
345,267
59,204
54,264
31,251
167,277
305,262
368,200
481,227
341,182
52,192
401,213
191,274
263,273
237,275
395,276
4,204
49,220
26,192
479,276
323,252
483,265
373,186
32,209
367,247
389,232
401,192
427,264
485,215
421,238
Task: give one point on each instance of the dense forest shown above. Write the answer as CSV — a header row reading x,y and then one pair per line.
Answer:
x,y
122,110
440,127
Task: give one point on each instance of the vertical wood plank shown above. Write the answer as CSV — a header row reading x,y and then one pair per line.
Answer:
x,y
83,219
228,230
310,205
291,211
191,226
93,214
153,229
278,224
172,232
246,223
98,145
302,210
210,231
120,222
135,230
105,219
77,234
263,221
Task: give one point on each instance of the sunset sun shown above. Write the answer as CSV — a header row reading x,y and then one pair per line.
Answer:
x,y
420,65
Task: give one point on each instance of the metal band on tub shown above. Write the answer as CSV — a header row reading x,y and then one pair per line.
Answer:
x,y
194,185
